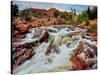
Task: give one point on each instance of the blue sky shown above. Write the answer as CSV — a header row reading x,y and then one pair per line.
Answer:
x,y
41,5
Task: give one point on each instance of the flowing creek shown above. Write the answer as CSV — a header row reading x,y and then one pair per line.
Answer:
x,y
63,41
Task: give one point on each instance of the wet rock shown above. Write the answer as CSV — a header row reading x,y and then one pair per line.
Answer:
x,y
83,58
44,36
77,63
22,54
78,50
28,54
18,61
49,49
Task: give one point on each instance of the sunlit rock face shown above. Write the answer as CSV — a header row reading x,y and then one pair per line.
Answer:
x,y
54,48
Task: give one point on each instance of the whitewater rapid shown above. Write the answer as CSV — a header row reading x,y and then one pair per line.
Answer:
x,y
43,63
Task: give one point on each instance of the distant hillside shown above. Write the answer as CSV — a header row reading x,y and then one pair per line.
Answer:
x,y
39,12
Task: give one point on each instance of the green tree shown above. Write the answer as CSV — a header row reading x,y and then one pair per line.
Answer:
x,y
56,13
89,12
14,9
76,19
84,16
26,14
94,13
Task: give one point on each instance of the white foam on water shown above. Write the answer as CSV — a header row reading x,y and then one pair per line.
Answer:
x,y
42,63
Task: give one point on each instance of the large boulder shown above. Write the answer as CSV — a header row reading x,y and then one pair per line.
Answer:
x,y
44,36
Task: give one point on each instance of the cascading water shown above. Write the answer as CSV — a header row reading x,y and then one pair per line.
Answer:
x,y
43,63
